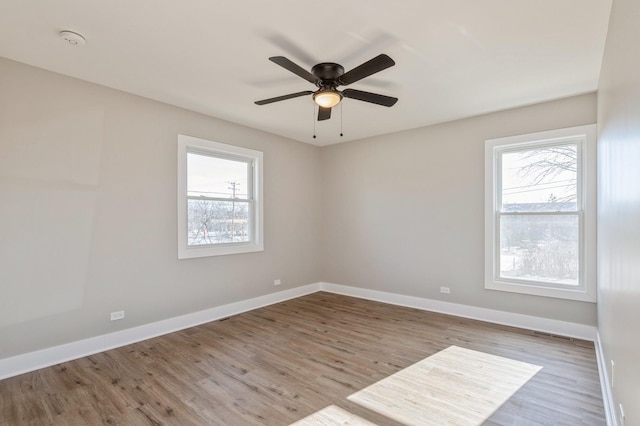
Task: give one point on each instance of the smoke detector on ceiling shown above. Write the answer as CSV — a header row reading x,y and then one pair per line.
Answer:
x,y
72,37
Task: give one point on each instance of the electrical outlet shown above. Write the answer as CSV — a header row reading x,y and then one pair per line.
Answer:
x,y
277,282
117,315
445,290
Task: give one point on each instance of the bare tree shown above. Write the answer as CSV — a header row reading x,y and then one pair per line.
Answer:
x,y
546,164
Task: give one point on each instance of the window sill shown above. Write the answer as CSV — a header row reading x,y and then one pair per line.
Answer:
x,y
222,250
579,294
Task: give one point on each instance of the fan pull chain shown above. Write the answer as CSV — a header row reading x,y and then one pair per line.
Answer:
x,y
341,106
313,117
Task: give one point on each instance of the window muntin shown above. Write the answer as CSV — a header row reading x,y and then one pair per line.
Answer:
x,y
219,198
540,232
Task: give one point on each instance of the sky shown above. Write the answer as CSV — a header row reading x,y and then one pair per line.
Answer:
x,y
213,177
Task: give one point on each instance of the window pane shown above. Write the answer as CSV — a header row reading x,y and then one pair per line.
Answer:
x,y
540,179
540,248
216,222
216,177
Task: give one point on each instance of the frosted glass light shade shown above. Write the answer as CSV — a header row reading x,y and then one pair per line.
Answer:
x,y
327,98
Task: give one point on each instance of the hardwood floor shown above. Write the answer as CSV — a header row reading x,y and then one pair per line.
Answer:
x,y
280,363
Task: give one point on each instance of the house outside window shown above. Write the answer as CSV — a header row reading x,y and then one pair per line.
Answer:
x,y
540,213
219,199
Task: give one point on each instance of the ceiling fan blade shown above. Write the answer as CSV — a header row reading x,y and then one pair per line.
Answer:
x,y
372,66
373,98
283,97
324,113
294,68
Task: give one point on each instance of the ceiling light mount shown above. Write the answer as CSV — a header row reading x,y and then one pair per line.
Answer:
x,y
327,71
73,37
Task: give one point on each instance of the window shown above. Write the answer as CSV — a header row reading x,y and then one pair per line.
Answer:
x,y
540,213
219,199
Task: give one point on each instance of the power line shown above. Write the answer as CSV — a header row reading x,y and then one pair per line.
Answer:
x,y
538,189
539,184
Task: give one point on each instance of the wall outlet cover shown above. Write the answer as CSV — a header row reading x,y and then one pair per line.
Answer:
x,y
117,315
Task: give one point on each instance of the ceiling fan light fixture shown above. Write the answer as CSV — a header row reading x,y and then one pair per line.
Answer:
x,y
327,98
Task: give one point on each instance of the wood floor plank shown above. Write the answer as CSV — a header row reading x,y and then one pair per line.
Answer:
x,y
278,364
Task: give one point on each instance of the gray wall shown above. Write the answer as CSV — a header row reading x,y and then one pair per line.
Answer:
x,y
88,209
404,213
619,205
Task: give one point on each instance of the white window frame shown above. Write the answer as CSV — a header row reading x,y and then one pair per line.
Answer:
x,y
586,186
190,144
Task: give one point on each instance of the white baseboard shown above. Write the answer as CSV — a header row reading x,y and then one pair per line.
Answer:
x,y
546,325
25,363
31,361
605,384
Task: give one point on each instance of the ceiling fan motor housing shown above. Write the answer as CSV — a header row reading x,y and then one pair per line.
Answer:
x,y
328,72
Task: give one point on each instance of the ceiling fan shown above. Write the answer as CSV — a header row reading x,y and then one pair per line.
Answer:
x,y
327,76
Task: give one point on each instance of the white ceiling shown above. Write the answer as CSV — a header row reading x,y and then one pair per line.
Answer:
x,y
454,58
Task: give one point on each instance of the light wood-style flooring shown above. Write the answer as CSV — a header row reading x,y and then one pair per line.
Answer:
x,y
278,364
